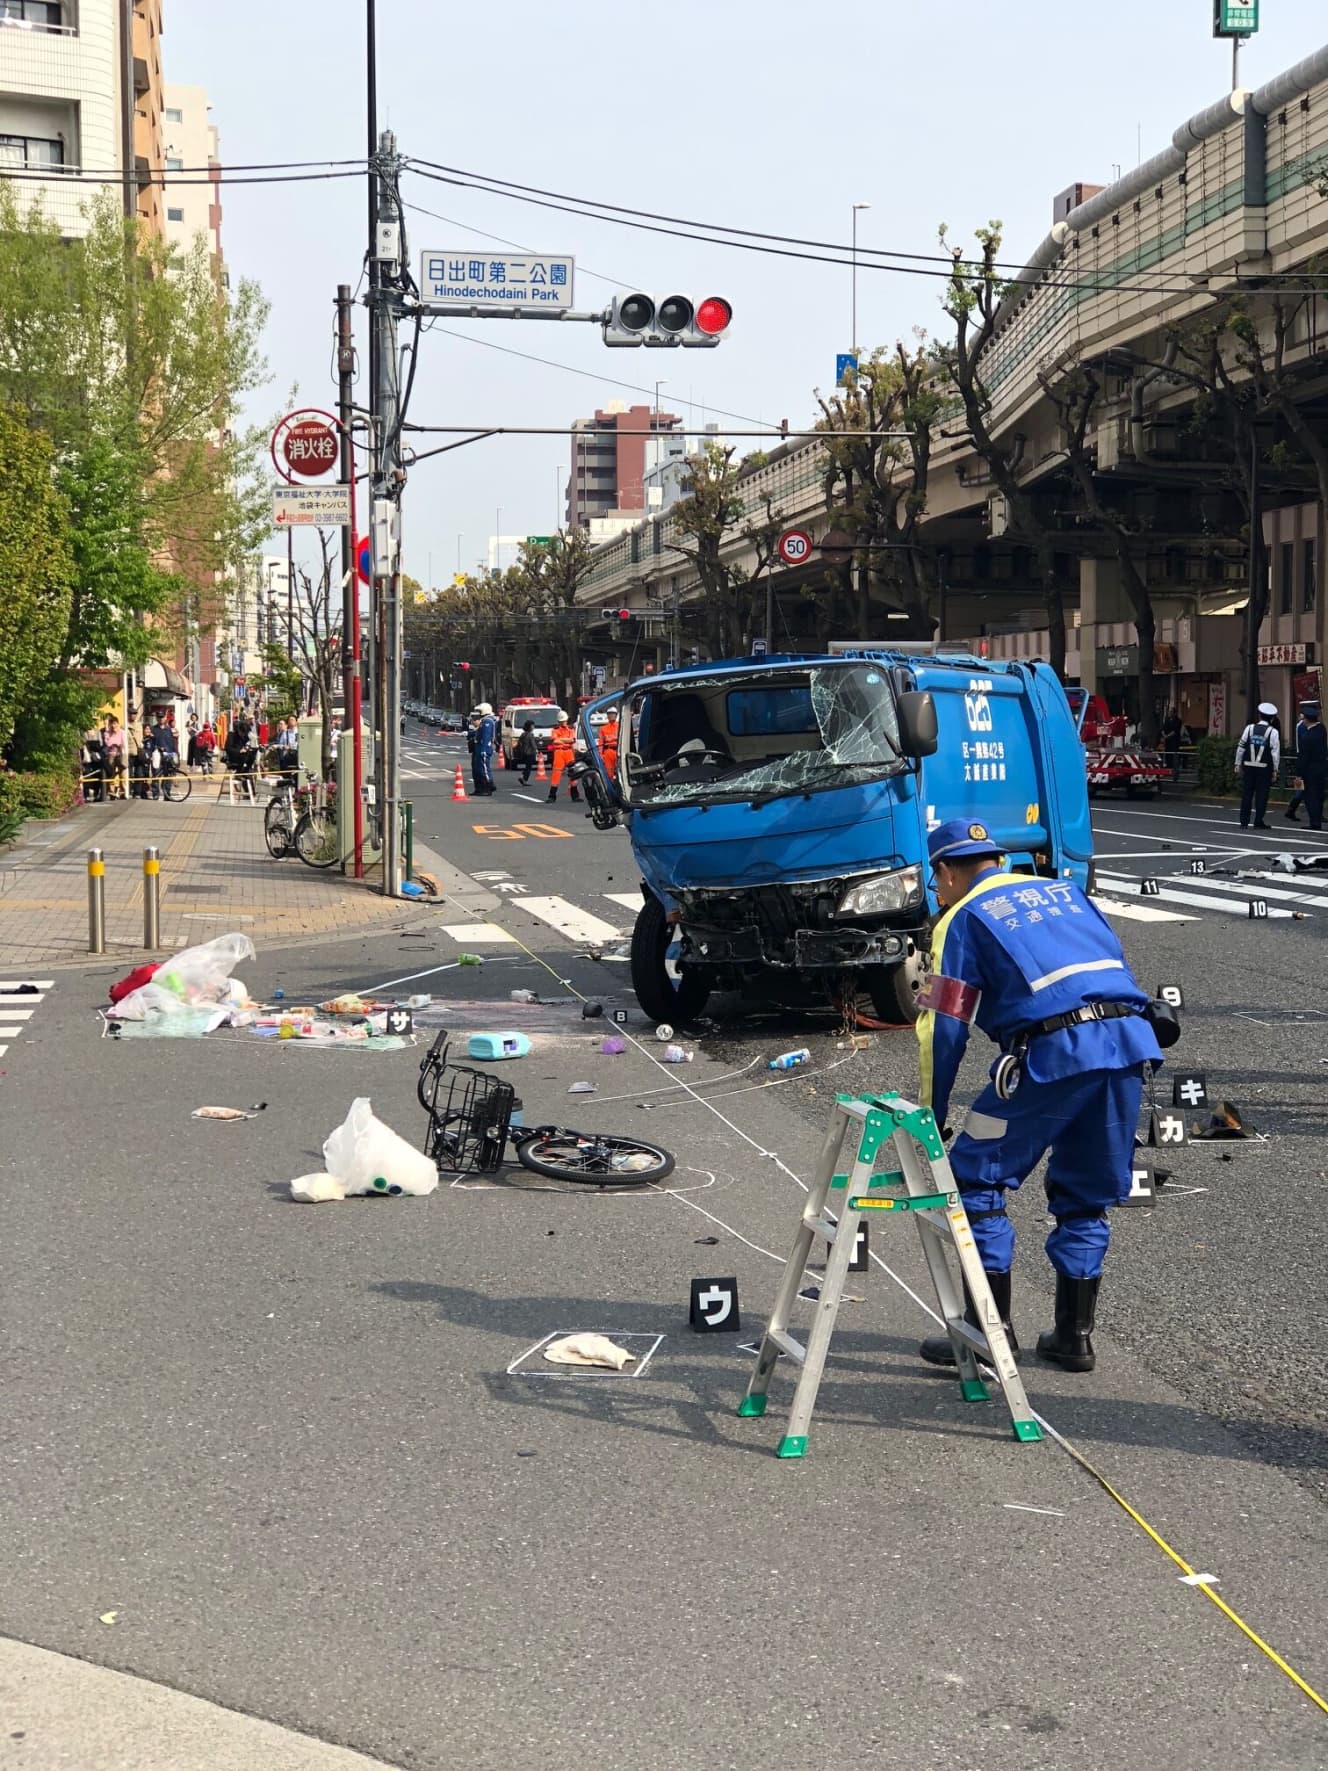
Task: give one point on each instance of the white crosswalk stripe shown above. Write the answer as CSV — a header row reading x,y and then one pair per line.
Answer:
x,y
19,1000
1140,912
1232,897
628,900
576,924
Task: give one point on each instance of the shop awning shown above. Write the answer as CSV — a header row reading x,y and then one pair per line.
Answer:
x,y
164,679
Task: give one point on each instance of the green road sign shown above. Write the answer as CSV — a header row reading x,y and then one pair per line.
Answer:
x,y
538,540
1235,18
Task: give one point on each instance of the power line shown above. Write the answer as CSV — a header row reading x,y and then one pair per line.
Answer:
x,y
148,179
1086,284
502,186
467,227
589,374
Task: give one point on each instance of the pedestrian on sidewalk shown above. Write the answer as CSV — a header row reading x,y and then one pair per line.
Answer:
x,y
113,742
191,752
1258,757
207,743
563,742
1311,765
288,749
526,754
136,748
92,766
163,756
242,754
1040,971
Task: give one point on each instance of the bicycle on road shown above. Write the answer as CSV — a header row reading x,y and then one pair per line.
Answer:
x,y
470,1127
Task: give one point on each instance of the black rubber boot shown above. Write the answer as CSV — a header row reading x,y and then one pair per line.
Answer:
x,y
1070,1343
553,794
936,1349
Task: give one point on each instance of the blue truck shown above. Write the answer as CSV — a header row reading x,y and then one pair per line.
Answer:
x,y
778,810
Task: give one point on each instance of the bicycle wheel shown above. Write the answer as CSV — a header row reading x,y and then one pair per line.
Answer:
x,y
278,828
591,1159
316,838
176,787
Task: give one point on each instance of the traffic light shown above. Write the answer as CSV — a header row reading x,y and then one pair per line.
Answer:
x,y
463,666
667,320
615,614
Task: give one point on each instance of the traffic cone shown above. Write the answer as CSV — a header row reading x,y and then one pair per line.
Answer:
x,y
541,773
459,785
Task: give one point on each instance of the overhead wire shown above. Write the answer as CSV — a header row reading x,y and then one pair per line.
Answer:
x,y
855,251
1105,282
56,175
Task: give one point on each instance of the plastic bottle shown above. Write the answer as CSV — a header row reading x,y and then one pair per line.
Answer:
x,y
469,959
676,1054
790,1060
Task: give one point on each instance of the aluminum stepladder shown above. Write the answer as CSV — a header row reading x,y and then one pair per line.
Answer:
x,y
933,1201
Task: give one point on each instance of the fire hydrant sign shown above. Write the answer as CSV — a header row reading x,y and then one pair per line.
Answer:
x,y
498,285
310,448
326,507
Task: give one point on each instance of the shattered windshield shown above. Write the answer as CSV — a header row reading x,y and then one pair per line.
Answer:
x,y
758,737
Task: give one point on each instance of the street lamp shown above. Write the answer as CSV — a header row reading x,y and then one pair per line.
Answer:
x,y
854,327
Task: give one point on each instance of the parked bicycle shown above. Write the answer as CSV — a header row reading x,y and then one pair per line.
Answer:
x,y
301,821
470,1128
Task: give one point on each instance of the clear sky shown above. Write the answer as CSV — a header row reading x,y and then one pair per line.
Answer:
x,y
765,114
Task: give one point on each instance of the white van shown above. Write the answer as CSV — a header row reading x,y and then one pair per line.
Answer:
x,y
543,712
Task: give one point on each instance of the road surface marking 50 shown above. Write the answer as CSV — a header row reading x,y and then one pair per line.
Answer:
x,y
518,832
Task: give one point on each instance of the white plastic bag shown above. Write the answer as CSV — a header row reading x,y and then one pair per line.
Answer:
x,y
367,1156
316,1189
203,974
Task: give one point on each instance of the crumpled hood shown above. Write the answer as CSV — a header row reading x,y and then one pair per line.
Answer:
x,y
843,830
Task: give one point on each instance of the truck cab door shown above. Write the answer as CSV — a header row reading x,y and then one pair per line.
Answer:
x,y
604,792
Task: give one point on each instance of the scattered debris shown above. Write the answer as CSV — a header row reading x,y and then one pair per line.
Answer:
x,y
229,1112
663,1033
523,996
108,1617
469,959
613,1047
278,995
706,1241
495,1046
856,1042
367,1156
316,1189
588,1349
676,1054
1223,1126
790,1060
582,1088
591,1011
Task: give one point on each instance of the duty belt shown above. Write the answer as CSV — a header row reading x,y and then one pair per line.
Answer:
x,y
1076,1017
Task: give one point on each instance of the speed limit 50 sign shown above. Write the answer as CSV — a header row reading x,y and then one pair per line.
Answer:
x,y
795,547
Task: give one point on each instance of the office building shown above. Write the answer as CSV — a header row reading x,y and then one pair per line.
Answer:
x,y
190,140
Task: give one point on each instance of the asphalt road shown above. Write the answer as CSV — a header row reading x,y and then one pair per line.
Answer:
x,y
283,1444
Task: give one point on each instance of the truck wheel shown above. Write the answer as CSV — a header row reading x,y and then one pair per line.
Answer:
x,y
894,989
660,996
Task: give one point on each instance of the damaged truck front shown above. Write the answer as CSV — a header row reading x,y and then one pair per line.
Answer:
x,y
778,814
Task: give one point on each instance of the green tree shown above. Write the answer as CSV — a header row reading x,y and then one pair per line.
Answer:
x,y
712,514
126,353
35,568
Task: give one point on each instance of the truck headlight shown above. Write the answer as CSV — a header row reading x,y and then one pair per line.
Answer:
x,y
883,893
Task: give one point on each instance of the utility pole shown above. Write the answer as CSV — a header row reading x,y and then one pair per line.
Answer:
x,y
1252,622
350,588
386,252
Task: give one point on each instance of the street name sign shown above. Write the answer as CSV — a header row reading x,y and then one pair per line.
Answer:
x,y
498,285
326,507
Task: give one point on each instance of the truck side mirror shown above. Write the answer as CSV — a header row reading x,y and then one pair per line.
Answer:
x,y
918,730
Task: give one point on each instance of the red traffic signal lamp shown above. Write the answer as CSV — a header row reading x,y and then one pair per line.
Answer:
x,y
615,614
664,320
463,665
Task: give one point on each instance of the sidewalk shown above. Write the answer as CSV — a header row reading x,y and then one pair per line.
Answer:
x,y
216,876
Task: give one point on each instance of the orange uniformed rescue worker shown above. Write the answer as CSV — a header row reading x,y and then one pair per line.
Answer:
x,y
608,745
562,740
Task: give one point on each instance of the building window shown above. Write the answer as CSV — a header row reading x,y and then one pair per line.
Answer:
x,y
37,15
175,215
174,165
1286,578
1308,586
173,116
31,150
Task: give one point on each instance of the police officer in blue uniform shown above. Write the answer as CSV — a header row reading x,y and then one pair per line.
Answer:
x,y
1033,964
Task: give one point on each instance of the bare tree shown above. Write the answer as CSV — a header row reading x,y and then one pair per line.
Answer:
x,y
315,636
973,298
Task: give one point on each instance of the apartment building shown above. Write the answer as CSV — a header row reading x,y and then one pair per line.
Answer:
x,y
190,140
609,460
81,91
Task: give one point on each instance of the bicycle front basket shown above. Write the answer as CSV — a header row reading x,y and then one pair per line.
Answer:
x,y
469,1114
